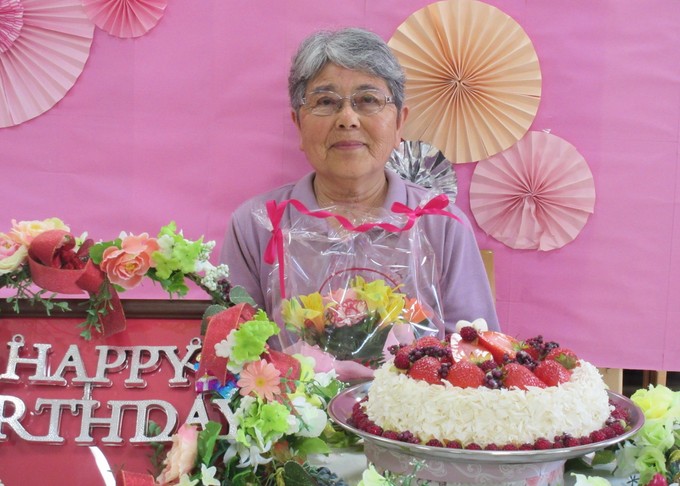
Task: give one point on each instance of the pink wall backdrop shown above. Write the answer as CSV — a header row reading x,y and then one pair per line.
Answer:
x,y
187,121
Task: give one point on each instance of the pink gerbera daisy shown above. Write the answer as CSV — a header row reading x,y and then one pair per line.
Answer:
x,y
261,378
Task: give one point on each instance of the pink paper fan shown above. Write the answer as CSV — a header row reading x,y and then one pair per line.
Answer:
x,y
125,18
44,45
536,195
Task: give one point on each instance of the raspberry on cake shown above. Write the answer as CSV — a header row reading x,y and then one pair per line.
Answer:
x,y
506,395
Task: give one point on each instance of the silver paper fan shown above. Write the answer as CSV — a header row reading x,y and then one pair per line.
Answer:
x,y
426,165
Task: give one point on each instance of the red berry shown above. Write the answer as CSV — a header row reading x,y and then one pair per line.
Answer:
x,y
468,333
454,444
498,344
401,359
597,436
390,434
526,447
571,442
426,342
434,443
618,428
491,447
518,376
566,357
510,447
465,374
658,480
552,373
473,447
542,444
426,369
374,429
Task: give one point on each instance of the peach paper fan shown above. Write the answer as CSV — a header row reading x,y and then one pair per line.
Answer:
x,y
44,45
125,18
473,81
536,195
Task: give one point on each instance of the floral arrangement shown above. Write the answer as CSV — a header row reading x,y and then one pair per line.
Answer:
x,y
40,259
652,456
351,323
275,405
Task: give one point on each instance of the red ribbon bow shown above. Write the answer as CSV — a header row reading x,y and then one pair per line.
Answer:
x,y
436,205
274,250
55,267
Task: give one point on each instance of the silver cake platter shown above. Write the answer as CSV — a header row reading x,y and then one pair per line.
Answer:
x,y
340,410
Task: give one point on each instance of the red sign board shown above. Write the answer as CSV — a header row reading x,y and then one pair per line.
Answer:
x,y
75,411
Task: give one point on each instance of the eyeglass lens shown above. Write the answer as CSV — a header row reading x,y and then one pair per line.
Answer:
x,y
364,102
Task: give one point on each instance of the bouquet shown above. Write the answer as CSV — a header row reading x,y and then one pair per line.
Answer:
x,y
352,322
40,259
275,405
652,456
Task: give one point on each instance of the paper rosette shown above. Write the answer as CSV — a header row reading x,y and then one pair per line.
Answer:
x,y
473,81
125,18
426,165
537,195
44,45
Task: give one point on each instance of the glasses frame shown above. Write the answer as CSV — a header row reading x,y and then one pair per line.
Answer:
x,y
341,101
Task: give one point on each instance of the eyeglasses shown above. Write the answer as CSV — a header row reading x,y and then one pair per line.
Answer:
x,y
364,102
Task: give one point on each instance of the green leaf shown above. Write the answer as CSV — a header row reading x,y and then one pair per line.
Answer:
x,y
604,456
578,464
295,475
97,249
206,441
311,445
239,295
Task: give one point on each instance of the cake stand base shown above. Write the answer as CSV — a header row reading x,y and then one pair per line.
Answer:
x,y
467,474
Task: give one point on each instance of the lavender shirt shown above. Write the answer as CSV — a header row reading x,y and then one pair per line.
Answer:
x,y
463,284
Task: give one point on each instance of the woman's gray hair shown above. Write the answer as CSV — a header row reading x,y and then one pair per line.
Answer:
x,y
350,48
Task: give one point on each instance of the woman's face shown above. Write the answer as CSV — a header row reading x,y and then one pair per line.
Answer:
x,y
347,147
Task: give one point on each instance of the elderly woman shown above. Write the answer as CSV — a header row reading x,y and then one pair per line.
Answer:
x,y
346,91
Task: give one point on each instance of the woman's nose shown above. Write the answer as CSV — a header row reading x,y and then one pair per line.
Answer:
x,y
346,117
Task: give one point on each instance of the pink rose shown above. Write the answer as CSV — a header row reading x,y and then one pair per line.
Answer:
x,y
126,266
347,313
23,232
182,456
12,254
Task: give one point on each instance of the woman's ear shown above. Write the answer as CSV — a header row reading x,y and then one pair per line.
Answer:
x,y
401,119
296,119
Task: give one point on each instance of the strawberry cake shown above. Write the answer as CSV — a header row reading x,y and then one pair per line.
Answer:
x,y
482,389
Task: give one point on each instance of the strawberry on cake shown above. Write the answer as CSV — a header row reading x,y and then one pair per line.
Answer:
x,y
482,389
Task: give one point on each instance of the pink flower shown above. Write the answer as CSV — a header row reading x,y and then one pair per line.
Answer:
x,y
126,266
261,378
12,254
340,295
182,456
23,232
347,313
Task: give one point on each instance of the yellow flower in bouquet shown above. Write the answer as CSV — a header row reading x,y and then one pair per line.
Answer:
x,y
350,323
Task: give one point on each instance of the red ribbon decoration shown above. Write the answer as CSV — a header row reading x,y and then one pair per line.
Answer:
x,y
219,327
137,479
436,205
45,262
274,249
